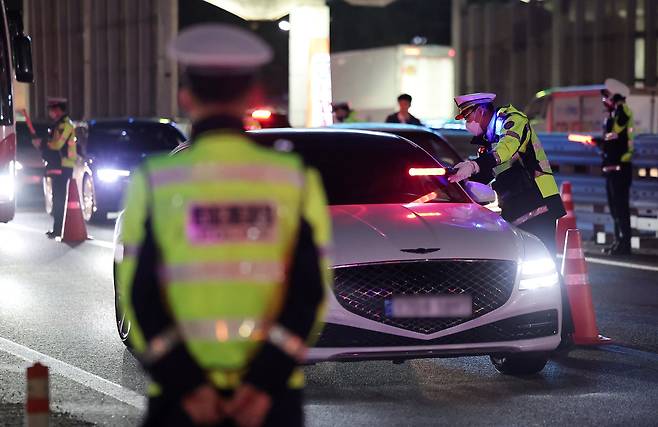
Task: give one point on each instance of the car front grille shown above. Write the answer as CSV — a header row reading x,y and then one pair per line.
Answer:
x,y
523,327
363,289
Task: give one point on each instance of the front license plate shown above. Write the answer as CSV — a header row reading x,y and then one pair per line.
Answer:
x,y
428,306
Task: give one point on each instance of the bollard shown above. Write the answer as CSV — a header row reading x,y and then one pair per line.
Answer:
x,y
37,407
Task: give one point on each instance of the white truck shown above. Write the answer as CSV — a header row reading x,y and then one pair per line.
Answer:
x,y
579,109
370,80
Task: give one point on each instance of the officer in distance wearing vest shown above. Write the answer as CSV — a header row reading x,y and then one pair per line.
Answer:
x,y
223,261
60,154
527,192
616,148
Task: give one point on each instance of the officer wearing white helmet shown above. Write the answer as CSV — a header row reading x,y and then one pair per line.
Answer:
x,y
617,152
223,270
511,151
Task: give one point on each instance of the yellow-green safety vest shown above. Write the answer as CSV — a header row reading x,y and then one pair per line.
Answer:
x,y
64,141
225,216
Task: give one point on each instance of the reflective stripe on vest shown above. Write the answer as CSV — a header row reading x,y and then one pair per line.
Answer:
x,y
225,173
223,330
262,271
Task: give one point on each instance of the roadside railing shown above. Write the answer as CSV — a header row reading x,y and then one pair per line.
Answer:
x,y
581,165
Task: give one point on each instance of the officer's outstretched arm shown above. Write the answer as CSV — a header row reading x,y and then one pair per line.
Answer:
x,y
514,131
57,144
154,335
303,309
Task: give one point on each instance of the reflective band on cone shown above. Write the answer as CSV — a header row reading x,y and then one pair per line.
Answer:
x,y
566,222
37,407
574,254
576,279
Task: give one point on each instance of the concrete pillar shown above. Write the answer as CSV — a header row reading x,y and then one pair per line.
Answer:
x,y
650,69
577,43
457,42
531,64
488,46
598,29
310,70
629,42
87,58
166,70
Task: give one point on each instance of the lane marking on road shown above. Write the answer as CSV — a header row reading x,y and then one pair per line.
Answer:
x,y
78,375
620,264
630,351
93,242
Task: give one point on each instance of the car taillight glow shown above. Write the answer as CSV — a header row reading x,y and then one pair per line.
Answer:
x,y
427,171
261,114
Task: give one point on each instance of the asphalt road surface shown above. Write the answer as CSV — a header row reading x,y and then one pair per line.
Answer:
x,y
56,305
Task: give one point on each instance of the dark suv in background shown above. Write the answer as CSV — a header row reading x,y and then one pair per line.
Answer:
x,y
109,150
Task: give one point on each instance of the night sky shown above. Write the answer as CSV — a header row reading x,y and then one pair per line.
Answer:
x,y
352,27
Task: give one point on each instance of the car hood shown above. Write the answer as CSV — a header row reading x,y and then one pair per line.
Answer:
x,y
379,233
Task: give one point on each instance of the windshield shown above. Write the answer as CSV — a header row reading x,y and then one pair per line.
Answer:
x,y
367,169
434,145
132,137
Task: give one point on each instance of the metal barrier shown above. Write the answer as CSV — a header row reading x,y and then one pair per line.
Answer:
x,y
581,165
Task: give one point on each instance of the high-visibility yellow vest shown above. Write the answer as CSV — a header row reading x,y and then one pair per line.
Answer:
x,y
516,142
225,215
64,140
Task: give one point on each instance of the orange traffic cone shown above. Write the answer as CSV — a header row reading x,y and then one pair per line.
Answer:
x,y
37,407
574,271
74,228
568,221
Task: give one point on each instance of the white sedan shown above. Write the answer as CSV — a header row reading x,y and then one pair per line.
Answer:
x,y
421,268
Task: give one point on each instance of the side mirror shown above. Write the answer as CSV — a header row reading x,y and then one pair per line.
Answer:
x,y
23,58
480,193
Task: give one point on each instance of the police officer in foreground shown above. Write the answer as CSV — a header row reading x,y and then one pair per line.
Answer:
x,y
617,151
527,192
60,155
223,267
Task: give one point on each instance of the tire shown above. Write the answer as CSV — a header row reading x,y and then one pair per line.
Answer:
x,y
90,210
123,325
519,364
48,195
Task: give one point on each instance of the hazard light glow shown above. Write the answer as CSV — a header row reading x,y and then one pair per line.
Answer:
x,y
427,171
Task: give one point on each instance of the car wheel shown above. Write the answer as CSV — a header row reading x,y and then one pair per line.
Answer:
x,y
519,364
123,325
90,211
48,194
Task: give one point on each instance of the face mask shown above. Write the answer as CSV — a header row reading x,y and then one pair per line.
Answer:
x,y
474,128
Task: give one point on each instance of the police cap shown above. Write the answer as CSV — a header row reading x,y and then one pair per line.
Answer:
x,y
615,87
56,102
467,103
219,49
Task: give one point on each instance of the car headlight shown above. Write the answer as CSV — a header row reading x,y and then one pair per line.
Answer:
x,y
111,175
538,273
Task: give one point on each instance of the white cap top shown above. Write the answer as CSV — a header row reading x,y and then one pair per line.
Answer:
x,y
219,48
616,87
470,100
52,101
